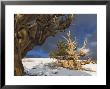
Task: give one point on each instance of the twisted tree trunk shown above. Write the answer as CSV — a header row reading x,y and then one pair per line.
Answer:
x,y
33,29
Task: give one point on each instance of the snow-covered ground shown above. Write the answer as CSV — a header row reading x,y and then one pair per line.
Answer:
x,y
44,67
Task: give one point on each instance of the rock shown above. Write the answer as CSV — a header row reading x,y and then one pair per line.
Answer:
x,y
46,74
33,68
40,73
52,65
55,71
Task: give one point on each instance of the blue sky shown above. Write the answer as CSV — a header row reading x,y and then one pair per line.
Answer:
x,y
83,26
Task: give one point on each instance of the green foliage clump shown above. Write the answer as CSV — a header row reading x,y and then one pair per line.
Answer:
x,y
68,49
60,50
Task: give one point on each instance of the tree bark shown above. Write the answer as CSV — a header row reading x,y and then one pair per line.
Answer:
x,y
33,29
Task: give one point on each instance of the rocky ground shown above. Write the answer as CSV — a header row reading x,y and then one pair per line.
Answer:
x,y
46,67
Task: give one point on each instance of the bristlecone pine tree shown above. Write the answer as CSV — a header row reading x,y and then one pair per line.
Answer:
x,y
67,54
31,30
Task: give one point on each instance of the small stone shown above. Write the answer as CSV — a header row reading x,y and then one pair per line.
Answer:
x,y
46,74
40,73
55,71
33,68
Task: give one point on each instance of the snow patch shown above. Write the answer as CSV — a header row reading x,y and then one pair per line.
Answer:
x,y
44,67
